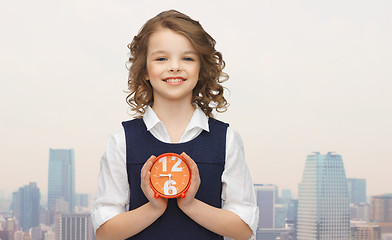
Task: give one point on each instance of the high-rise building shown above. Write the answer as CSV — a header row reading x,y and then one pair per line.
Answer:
x,y
273,234
61,180
4,234
359,212
11,224
387,236
323,201
81,200
73,226
7,227
26,206
265,195
280,215
357,190
35,233
292,209
381,208
286,194
361,230
20,235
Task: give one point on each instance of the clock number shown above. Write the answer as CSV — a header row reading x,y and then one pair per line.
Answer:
x,y
175,167
164,165
169,189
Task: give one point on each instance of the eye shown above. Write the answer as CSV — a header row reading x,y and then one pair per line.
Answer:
x,y
160,59
188,59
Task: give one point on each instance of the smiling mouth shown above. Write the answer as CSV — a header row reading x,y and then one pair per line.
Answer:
x,y
174,80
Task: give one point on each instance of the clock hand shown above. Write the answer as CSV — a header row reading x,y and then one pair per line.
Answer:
x,y
165,175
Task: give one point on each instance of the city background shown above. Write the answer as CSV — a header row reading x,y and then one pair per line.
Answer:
x,y
305,76
329,206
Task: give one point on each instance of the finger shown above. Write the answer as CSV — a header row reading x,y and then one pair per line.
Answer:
x,y
145,171
146,176
146,182
148,164
195,177
188,159
192,165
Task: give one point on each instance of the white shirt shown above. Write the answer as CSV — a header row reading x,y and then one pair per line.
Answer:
x,y
238,194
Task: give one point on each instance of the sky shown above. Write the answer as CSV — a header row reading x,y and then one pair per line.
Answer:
x,y
305,76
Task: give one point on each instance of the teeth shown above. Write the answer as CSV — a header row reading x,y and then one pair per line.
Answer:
x,y
174,80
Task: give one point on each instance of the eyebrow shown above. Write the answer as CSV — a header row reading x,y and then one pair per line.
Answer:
x,y
164,52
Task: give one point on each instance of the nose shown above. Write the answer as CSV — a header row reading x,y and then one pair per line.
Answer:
x,y
175,66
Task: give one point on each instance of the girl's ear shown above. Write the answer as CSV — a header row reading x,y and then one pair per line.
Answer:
x,y
145,73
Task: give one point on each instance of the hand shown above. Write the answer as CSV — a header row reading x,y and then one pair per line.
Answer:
x,y
159,204
189,198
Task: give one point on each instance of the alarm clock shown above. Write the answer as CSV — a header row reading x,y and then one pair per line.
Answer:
x,y
170,176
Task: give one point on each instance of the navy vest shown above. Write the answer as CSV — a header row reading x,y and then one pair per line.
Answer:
x,y
208,150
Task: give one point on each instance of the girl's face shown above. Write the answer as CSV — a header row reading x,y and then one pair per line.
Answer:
x,y
173,66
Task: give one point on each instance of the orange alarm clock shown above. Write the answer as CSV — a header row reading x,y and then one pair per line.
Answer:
x,y
170,176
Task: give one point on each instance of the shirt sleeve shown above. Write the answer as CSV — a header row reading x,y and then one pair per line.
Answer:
x,y
113,188
238,193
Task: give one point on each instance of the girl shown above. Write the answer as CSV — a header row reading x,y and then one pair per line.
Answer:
x,y
174,85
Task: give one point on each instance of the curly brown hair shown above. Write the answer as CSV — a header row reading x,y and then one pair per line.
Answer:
x,y
208,92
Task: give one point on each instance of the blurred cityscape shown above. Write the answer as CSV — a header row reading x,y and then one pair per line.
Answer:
x,y
329,206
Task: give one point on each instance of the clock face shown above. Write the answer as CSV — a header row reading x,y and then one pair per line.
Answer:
x,y
170,176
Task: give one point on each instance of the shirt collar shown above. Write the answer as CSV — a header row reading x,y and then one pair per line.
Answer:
x,y
199,119
150,118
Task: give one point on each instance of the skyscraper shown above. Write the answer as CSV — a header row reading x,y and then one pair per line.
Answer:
x,y
73,226
381,208
280,215
361,230
359,212
81,200
286,194
26,207
323,201
265,195
357,190
61,180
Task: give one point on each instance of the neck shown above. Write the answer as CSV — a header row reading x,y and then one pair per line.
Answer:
x,y
173,111
175,116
